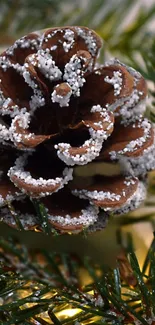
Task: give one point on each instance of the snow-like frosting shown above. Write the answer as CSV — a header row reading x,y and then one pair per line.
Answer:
x,y
92,146
18,171
87,217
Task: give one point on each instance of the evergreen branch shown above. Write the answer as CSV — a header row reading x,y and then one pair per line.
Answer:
x,y
122,295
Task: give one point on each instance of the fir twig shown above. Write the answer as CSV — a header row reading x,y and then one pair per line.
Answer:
x,y
54,288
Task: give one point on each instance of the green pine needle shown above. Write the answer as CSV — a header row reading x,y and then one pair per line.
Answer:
x,y
41,287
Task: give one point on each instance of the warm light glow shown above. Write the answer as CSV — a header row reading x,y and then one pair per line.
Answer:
x,y
36,229
70,312
63,314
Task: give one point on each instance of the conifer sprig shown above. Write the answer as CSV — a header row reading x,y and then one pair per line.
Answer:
x,y
45,287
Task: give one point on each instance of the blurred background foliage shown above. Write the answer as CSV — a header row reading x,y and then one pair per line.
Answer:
x,y
124,25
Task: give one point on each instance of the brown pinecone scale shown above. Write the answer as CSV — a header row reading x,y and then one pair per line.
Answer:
x,y
73,135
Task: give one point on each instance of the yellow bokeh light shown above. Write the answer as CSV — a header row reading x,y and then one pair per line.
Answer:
x,y
63,314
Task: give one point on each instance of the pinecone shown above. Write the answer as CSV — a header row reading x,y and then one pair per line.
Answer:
x,y
66,121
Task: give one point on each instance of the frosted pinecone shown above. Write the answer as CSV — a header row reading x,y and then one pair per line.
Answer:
x,y
72,132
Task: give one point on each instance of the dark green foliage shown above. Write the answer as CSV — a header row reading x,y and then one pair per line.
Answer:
x,y
55,287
